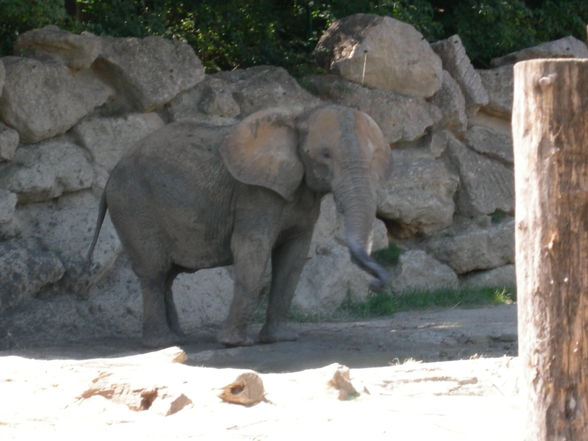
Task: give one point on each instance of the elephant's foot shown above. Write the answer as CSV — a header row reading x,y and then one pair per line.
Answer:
x,y
232,337
276,333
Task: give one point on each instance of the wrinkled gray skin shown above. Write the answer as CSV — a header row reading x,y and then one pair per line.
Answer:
x,y
180,204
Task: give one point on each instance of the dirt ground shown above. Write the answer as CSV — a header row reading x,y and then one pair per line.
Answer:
x,y
443,375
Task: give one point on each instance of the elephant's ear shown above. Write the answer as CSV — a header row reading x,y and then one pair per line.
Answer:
x,y
380,163
262,150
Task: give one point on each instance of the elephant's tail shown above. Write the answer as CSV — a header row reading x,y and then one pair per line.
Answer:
x,y
101,214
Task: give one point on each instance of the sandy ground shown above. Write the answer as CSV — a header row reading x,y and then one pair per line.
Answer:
x,y
406,388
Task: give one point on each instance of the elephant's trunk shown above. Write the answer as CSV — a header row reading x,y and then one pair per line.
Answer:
x,y
356,200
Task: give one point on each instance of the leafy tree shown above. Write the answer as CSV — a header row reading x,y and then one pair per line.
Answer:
x,y
17,16
239,33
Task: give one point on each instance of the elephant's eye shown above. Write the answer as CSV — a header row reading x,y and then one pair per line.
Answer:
x,y
325,154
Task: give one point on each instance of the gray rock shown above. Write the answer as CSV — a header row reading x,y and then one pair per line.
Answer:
x,y
149,71
45,100
400,117
8,227
327,280
489,142
217,100
499,82
8,142
418,271
435,142
112,310
107,139
47,170
211,101
52,43
260,87
66,227
501,277
491,121
451,101
381,53
476,248
418,196
486,185
567,47
203,298
26,269
457,63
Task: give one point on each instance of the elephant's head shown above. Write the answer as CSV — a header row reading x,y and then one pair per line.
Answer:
x,y
331,149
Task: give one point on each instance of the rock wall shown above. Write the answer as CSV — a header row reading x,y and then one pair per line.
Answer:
x,y
71,105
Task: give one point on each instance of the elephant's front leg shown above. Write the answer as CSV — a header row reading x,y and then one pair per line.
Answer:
x,y
251,253
287,263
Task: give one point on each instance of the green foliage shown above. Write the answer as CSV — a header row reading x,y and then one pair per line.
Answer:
x,y
17,16
388,256
241,33
386,303
121,18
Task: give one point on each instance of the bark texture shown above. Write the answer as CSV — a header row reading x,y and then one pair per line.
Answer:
x,y
550,134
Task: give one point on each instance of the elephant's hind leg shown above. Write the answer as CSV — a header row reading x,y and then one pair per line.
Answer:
x,y
156,318
171,311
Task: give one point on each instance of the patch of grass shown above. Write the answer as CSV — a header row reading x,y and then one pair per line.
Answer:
x,y
386,303
294,314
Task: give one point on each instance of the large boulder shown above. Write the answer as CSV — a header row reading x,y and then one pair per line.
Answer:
x,y
26,268
203,298
418,271
149,71
499,82
8,142
211,101
112,310
401,118
487,185
490,142
457,63
46,99
418,196
47,170
223,97
108,138
452,103
261,87
476,248
501,277
382,53
66,227
567,47
53,44
8,227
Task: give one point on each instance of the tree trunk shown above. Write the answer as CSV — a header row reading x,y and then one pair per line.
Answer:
x,y
550,134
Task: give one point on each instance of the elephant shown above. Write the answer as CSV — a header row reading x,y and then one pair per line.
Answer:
x,y
180,203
